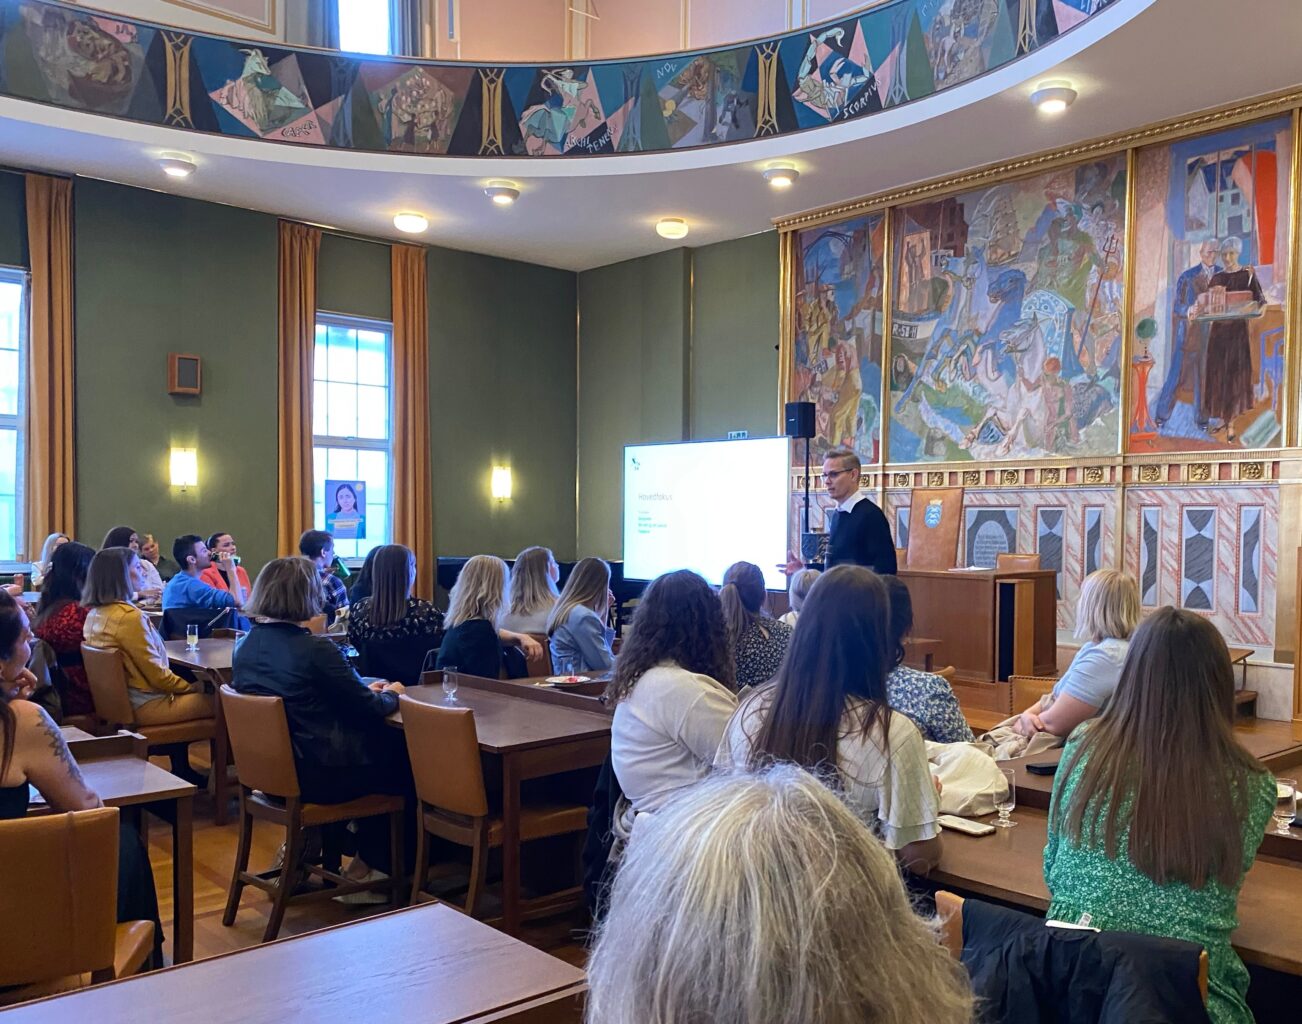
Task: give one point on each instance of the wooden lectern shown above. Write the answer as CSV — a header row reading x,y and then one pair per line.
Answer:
x,y
935,515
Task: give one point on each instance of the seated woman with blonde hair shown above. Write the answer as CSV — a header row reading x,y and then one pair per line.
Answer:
x,y
533,591
1106,614
577,626
697,931
474,642
797,591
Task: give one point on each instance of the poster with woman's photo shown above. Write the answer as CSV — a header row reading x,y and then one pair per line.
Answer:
x,y
345,502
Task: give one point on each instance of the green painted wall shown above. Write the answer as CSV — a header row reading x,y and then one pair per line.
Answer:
x,y
158,274
673,346
633,380
735,337
353,277
13,220
502,383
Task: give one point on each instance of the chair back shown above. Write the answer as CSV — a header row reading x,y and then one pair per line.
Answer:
x,y
901,556
444,751
541,665
107,676
175,620
949,908
947,673
61,911
399,659
316,625
1014,560
1028,689
264,756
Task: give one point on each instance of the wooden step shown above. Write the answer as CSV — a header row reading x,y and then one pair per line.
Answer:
x,y
1245,703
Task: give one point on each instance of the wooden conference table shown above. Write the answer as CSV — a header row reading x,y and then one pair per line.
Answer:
x,y
211,665
1009,866
535,734
429,963
126,780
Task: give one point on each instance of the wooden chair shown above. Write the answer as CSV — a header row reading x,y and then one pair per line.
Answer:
x,y
269,791
453,803
541,665
61,907
1029,689
949,908
108,689
1013,560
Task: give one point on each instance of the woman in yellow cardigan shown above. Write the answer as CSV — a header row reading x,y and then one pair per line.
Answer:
x,y
158,694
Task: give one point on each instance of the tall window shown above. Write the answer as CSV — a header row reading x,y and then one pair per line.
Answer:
x,y
13,400
352,440
364,26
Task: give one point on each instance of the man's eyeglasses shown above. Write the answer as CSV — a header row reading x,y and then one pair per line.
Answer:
x,y
833,474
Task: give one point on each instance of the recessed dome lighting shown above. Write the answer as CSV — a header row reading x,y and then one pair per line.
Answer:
x,y
503,193
176,165
672,228
412,223
1053,97
781,175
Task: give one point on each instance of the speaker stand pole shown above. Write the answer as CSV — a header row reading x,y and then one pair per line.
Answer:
x,y
806,529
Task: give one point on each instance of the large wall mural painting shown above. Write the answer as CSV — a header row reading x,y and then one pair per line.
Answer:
x,y
891,54
1211,280
1006,326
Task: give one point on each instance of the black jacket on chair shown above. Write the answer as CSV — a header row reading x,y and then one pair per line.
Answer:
x,y
861,536
1024,971
335,721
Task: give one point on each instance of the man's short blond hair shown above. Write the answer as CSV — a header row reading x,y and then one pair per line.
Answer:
x,y
847,456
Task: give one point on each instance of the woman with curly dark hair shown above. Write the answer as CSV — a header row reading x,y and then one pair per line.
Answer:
x,y
672,690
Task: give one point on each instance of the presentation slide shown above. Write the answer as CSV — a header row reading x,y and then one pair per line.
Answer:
x,y
703,505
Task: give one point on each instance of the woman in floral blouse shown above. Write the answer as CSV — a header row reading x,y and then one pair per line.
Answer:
x,y
60,619
924,696
393,631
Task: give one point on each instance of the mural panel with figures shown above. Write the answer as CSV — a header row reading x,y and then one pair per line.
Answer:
x,y
1006,335
838,334
1210,282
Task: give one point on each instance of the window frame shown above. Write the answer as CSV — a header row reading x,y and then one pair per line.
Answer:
x,y
17,421
325,318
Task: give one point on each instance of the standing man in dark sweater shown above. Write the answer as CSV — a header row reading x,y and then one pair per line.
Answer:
x,y
860,534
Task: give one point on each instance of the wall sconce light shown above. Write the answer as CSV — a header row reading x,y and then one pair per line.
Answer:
x,y
501,483
185,467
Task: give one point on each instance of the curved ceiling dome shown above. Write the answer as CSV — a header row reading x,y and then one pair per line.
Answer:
x,y
887,56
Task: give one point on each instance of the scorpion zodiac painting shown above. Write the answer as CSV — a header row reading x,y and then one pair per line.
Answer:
x,y
1006,326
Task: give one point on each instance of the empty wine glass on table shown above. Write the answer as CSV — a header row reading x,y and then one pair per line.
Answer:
x,y
1006,804
192,637
449,684
1285,805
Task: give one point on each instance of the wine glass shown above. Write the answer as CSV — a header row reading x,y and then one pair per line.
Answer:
x,y
1005,805
563,666
449,684
1285,805
192,637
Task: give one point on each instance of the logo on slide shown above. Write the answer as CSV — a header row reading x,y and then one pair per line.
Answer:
x,y
932,516
636,464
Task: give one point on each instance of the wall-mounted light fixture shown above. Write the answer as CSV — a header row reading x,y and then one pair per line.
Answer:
x,y
184,466
501,485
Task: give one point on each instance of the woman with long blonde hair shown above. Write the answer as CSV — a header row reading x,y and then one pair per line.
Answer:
x,y
577,626
699,930
533,591
474,642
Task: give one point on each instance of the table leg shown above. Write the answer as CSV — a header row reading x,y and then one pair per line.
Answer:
x,y
221,757
510,845
183,881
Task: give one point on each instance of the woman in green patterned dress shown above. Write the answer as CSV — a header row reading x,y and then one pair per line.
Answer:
x,y
1157,810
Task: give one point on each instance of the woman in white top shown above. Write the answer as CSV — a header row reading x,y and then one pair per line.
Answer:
x,y
1106,614
826,710
797,591
672,690
533,591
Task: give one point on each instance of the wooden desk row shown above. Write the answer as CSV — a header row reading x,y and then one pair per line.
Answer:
x,y
428,963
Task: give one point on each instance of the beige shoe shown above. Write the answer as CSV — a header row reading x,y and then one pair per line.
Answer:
x,y
365,899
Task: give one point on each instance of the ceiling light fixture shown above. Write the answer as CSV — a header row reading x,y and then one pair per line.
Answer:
x,y
672,228
412,223
176,165
1053,97
781,176
503,193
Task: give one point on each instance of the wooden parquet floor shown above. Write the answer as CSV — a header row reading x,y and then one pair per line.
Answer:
x,y
214,857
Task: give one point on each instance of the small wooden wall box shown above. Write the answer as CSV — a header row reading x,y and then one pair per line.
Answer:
x,y
184,374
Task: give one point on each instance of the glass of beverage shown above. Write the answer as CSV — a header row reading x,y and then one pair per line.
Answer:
x,y
1006,805
563,667
449,684
1285,805
192,637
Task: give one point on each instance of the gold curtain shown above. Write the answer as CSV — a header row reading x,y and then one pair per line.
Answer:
x,y
50,482
299,247
413,493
